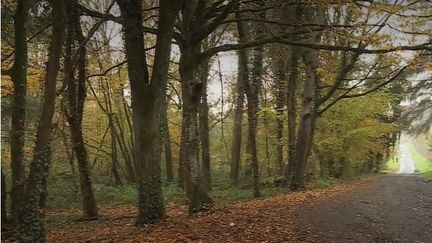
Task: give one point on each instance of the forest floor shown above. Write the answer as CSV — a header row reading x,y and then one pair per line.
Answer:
x,y
271,219
384,208
389,208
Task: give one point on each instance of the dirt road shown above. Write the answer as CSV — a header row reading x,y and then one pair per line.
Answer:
x,y
391,208
406,163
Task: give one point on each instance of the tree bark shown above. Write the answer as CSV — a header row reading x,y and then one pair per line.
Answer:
x,y
190,41
242,78
293,76
181,168
76,89
305,126
146,101
252,112
31,226
44,191
114,158
4,217
167,141
204,127
308,113
252,89
292,115
280,104
114,150
192,93
17,134
124,148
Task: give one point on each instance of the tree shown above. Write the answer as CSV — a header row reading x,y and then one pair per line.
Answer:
x,y
308,112
76,92
242,79
238,118
19,78
30,224
166,141
190,41
204,126
252,90
146,101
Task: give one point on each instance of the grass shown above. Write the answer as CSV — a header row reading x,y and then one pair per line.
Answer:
x,y
322,183
427,176
392,165
64,193
422,164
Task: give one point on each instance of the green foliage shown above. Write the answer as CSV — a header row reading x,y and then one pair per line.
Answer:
x,y
427,176
353,130
392,165
172,193
63,193
324,183
421,163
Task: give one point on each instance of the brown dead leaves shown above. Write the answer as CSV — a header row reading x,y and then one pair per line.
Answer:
x,y
263,220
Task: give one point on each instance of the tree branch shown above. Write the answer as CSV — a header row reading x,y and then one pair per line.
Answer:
x,y
346,96
277,39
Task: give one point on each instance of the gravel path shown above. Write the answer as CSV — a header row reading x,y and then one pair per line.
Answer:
x,y
406,163
391,208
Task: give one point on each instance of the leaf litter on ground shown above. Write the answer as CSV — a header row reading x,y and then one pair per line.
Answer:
x,y
271,219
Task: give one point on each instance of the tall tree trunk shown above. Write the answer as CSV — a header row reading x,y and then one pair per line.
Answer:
x,y
292,115
280,104
308,113
293,76
76,89
114,150
126,147
242,78
107,107
252,112
31,226
19,80
204,127
146,101
44,191
252,91
192,90
167,141
4,217
305,126
181,167
67,148
114,158
266,139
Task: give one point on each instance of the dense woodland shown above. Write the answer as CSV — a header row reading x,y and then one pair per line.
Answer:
x,y
175,96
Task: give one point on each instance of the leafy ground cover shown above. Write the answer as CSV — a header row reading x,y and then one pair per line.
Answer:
x,y
261,220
